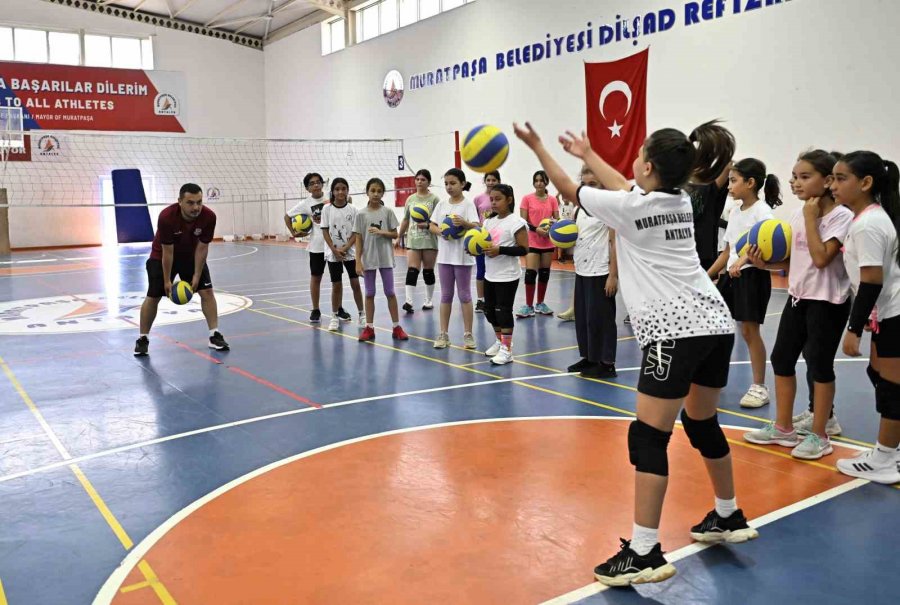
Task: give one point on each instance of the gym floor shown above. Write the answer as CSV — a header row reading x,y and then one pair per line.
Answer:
x,y
305,467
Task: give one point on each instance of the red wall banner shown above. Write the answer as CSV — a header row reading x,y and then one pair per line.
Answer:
x,y
64,97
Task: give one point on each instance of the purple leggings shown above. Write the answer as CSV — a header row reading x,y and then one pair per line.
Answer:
x,y
461,275
387,281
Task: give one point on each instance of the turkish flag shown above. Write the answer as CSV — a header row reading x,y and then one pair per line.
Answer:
x,y
617,109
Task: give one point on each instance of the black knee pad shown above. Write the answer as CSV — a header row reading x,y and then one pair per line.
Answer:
x,y
647,448
412,276
544,275
706,436
887,399
428,276
874,377
504,316
530,277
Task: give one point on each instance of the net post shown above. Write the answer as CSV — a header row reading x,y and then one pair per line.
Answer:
x,y
457,157
5,247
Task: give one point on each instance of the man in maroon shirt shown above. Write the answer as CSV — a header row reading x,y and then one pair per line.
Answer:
x,y
183,233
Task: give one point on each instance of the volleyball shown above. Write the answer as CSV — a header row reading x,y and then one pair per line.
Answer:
x,y
449,230
564,233
301,223
485,148
181,293
546,223
420,213
773,238
742,244
476,240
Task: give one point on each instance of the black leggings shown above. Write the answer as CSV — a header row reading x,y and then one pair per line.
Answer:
x,y
499,297
815,328
595,320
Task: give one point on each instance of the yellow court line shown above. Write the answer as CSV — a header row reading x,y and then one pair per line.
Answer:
x,y
86,484
133,587
155,584
3,600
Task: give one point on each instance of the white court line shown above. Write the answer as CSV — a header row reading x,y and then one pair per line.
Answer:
x,y
255,419
682,553
102,258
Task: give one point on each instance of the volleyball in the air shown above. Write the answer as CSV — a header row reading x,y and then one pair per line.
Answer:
x,y
564,233
773,238
485,148
420,213
181,292
301,223
449,230
742,244
477,240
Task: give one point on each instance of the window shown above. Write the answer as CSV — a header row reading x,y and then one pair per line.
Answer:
x,y
65,48
31,45
377,17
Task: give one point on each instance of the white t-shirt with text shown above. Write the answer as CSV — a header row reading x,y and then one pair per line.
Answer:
x,y
312,208
340,223
872,242
739,223
451,251
503,268
592,246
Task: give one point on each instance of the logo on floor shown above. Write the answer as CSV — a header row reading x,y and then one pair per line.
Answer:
x,y
98,312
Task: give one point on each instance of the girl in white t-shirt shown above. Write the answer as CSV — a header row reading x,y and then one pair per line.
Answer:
x,y
746,288
870,187
680,321
509,242
816,312
454,264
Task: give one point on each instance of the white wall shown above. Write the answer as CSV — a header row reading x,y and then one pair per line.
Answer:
x,y
786,77
225,98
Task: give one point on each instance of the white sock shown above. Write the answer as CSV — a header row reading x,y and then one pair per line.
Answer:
x,y
429,292
396,324
726,507
883,454
147,336
213,331
410,291
643,539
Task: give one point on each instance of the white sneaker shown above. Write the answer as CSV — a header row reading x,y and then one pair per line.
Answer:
x,y
335,324
362,320
812,447
494,349
803,423
770,435
503,357
865,467
442,342
756,397
428,306
469,341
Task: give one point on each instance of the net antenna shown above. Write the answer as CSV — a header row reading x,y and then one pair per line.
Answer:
x,y
12,137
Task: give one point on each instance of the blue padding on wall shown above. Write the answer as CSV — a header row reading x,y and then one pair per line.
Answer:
x,y
132,222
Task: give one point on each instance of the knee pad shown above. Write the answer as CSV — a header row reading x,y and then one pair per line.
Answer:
x,y
647,448
544,275
428,276
412,276
530,277
706,436
874,377
504,317
887,399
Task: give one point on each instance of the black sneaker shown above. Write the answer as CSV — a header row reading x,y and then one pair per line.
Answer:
x,y
408,308
479,306
343,315
599,370
315,317
627,567
141,347
732,529
578,366
627,320
217,342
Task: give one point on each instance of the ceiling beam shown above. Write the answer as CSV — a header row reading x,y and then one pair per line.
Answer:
x,y
224,11
171,9
184,8
292,28
335,7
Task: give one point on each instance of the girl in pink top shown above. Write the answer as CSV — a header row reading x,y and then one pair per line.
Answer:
x,y
483,205
535,208
816,312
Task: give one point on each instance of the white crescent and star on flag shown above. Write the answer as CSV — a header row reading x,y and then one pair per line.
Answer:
x,y
610,88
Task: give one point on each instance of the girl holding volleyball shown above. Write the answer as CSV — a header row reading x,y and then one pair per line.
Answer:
x,y
509,241
537,207
454,265
817,309
421,243
483,206
746,288
870,187
680,321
